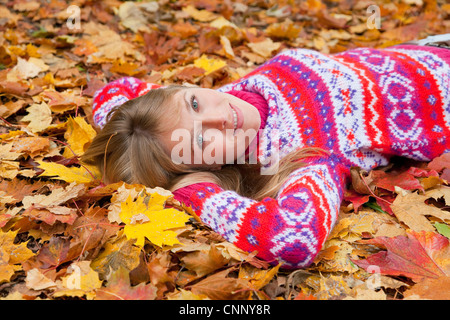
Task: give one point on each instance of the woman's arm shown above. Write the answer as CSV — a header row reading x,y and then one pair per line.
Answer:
x,y
291,228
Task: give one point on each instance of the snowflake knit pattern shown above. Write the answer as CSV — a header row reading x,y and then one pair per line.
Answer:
x,y
363,106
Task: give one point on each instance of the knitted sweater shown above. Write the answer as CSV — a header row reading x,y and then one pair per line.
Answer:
x,y
362,105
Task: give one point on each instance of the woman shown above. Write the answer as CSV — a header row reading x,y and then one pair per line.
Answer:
x,y
300,121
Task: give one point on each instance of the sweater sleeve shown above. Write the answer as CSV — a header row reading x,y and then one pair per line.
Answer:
x,y
290,228
116,93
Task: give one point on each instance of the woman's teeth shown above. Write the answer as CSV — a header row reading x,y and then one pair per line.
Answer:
x,y
234,118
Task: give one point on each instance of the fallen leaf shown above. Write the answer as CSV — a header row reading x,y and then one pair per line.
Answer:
x,y
11,254
36,280
412,210
204,262
264,48
39,117
79,135
132,17
26,69
119,288
418,255
68,174
117,254
220,287
209,65
81,281
199,15
161,220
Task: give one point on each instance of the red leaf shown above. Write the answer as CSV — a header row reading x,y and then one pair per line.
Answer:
x,y
357,199
418,255
440,162
386,205
389,181
421,173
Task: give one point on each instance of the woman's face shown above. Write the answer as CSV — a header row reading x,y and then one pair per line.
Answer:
x,y
213,129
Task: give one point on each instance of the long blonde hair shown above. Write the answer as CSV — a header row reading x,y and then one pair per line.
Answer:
x,y
128,149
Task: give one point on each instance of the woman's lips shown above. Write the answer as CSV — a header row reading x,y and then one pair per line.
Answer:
x,y
240,116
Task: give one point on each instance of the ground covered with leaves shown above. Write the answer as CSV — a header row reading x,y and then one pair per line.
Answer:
x,y
66,235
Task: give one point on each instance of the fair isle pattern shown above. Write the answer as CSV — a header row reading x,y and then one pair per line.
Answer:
x,y
232,209
115,94
363,105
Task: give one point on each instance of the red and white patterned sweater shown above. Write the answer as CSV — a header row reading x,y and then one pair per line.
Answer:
x,y
363,105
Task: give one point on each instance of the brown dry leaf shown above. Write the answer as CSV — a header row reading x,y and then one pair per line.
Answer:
x,y
286,29
119,288
61,102
110,46
132,17
39,117
412,210
119,253
160,273
200,15
257,278
36,280
55,200
264,48
11,107
204,262
26,69
220,287
32,146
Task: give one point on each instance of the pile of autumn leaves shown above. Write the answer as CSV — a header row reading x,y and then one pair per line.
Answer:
x,y
65,234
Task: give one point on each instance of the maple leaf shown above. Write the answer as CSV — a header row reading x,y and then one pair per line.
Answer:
x,y
441,163
11,254
209,65
119,288
39,117
151,221
37,280
78,134
72,174
49,208
80,281
264,48
418,255
204,262
412,210
220,287
160,275
117,254
257,278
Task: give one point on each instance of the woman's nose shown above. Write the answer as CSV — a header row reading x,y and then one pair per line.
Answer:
x,y
216,118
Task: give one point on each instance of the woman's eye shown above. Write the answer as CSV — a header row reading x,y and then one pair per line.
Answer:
x,y
194,103
200,140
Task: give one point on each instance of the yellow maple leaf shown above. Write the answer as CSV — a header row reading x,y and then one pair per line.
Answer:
x,y
72,174
151,221
78,135
11,254
209,65
81,281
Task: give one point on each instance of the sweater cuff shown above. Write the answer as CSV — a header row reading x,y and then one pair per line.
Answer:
x,y
195,194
